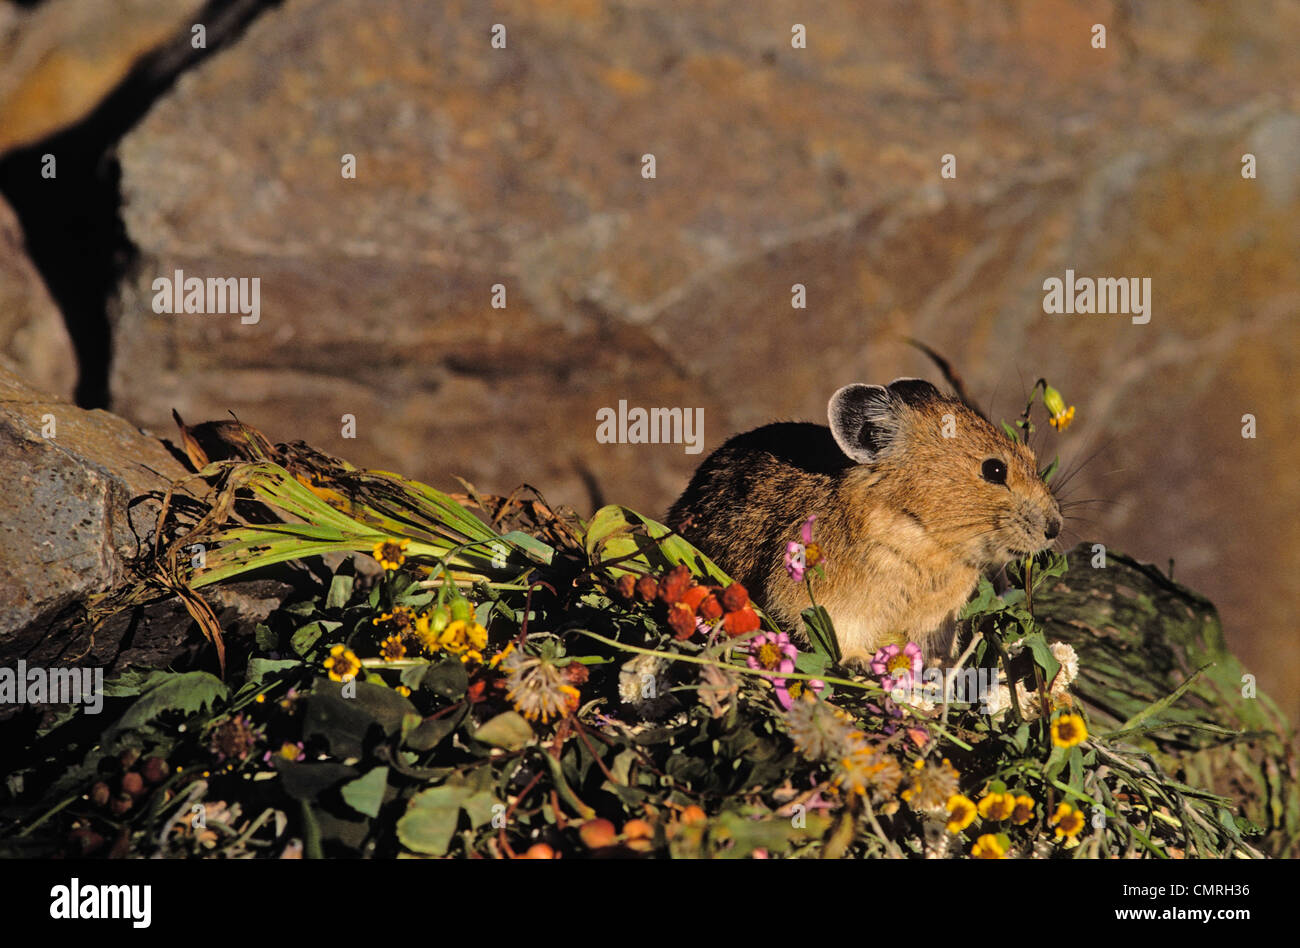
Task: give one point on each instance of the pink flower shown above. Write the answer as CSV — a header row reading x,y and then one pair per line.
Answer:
x,y
800,556
897,666
773,652
795,564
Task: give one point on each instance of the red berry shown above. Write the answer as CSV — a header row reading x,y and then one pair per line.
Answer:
x,y
154,769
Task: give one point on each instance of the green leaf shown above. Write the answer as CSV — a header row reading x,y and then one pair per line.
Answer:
x,y
1076,768
186,692
533,547
384,705
1163,702
366,794
413,675
305,780
986,600
340,592
617,532
448,678
265,638
431,732
480,808
1043,657
508,730
812,663
305,638
821,633
343,723
132,682
310,832
431,819
259,668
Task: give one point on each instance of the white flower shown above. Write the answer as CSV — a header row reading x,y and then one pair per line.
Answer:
x,y
912,695
644,686
1069,660
999,700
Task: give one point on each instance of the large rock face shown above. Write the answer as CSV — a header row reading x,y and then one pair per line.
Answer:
x,y
774,166
32,334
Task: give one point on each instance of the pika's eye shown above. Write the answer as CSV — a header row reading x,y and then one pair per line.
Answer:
x,y
994,471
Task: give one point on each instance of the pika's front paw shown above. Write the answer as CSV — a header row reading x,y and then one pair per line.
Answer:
x,y
857,665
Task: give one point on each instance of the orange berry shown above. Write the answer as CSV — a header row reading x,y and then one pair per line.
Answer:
x,y
598,833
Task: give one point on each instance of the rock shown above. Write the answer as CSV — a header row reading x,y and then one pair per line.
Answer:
x,y
69,478
60,58
774,166
1139,637
32,333
81,499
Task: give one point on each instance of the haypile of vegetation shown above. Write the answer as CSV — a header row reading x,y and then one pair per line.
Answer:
x,y
486,677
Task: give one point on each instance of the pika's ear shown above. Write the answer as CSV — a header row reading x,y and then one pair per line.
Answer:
x,y
862,420
913,392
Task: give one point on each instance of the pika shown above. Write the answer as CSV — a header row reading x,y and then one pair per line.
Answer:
x,y
915,494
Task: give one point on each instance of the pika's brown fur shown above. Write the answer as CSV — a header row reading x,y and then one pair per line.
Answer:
x,y
907,518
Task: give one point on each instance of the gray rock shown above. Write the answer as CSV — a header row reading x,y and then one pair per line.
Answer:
x,y
77,507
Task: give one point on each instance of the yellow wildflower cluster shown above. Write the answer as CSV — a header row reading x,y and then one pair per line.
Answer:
x,y
342,663
464,638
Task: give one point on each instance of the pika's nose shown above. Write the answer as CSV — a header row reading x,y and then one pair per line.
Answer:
x,y
1053,528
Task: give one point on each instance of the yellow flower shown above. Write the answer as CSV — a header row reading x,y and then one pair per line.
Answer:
x,y
1061,416
1068,730
961,813
495,660
391,553
343,663
429,627
400,619
460,636
404,691
988,846
1023,811
996,807
1067,820
1062,421
391,649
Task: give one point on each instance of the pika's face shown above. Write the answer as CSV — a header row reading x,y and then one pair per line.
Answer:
x,y
999,485
934,460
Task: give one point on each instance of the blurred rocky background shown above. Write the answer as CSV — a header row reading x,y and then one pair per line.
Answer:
x,y
774,166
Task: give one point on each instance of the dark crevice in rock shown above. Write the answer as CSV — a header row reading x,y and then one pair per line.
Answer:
x,y
72,223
